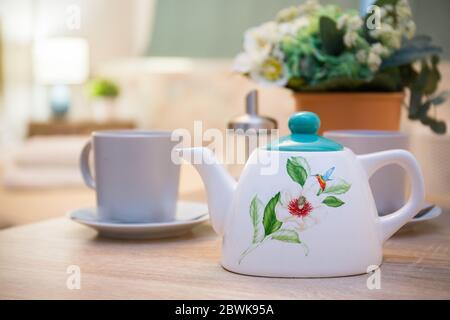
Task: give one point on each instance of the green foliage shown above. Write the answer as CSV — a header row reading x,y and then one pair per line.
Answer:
x,y
331,37
423,85
382,3
104,88
270,221
320,63
329,49
416,49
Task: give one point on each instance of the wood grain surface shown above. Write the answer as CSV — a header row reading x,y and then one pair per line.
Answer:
x,y
34,259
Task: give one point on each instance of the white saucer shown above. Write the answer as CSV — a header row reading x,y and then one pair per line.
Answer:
x,y
188,215
433,213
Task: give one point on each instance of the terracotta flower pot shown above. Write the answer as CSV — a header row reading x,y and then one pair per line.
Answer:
x,y
345,111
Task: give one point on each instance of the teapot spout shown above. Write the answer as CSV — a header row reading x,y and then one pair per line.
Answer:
x,y
218,182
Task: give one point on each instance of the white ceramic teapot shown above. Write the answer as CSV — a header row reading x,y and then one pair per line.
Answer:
x,y
303,206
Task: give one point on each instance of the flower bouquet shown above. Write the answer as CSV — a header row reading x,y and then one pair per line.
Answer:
x,y
314,48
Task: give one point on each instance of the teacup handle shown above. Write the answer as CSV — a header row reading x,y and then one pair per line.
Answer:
x,y
84,165
374,161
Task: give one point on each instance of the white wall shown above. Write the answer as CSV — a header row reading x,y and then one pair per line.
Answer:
x,y
114,29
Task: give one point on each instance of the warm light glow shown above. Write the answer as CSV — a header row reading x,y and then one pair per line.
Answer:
x,y
61,60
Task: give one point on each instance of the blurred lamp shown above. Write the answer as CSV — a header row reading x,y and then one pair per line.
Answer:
x,y
60,62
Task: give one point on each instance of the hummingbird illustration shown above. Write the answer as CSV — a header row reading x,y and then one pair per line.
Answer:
x,y
322,179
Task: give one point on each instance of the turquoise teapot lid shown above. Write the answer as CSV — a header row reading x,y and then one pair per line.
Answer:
x,y
304,137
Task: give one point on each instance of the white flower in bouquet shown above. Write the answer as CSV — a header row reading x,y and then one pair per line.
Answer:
x,y
389,8
410,29
354,23
351,23
384,29
361,56
259,41
393,40
391,32
261,58
390,37
403,9
258,45
288,14
350,38
310,6
377,52
373,61
272,71
243,63
291,28
404,17
379,49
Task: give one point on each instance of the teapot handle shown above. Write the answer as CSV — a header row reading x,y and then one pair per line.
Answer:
x,y
394,221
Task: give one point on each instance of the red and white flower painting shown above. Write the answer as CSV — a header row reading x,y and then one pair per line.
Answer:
x,y
301,205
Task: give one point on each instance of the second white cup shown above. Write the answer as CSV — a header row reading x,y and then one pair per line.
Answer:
x,y
389,183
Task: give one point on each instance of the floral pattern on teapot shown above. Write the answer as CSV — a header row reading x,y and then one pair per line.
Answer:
x,y
291,211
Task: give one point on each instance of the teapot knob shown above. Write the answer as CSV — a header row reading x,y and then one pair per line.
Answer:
x,y
304,123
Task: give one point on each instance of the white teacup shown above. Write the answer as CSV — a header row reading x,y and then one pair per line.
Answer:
x,y
389,183
135,178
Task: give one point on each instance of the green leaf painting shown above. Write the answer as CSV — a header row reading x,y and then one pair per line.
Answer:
x,y
256,214
286,235
337,186
271,224
298,169
332,201
291,211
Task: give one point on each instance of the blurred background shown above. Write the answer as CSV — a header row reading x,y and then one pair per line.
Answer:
x,y
70,67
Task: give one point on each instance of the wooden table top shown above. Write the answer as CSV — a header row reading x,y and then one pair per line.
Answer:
x,y
34,259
